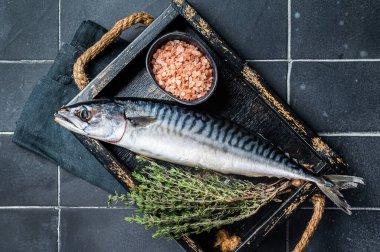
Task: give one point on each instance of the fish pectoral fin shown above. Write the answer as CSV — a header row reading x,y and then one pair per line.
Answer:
x,y
142,121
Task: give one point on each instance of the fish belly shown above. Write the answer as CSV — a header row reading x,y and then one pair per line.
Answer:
x,y
179,149
194,139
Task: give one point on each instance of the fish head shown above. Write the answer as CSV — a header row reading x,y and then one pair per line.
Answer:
x,y
100,119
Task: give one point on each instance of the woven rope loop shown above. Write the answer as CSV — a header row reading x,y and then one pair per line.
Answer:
x,y
79,67
319,206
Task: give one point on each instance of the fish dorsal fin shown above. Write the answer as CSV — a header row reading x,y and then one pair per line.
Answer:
x,y
141,121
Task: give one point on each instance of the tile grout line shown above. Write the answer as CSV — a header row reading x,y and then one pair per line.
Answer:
x,y
65,207
289,58
268,60
59,25
289,29
312,60
59,208
354,134
290,66
7,133
26,61
352,208
336,60
59,231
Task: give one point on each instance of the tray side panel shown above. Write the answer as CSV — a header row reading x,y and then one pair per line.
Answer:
x,y
126,56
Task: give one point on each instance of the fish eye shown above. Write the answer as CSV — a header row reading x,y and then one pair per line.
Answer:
x,y
85,115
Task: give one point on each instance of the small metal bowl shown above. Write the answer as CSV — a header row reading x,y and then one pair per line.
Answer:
x,y
191,40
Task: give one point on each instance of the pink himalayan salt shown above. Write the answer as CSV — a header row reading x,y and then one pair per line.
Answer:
x,y
182,70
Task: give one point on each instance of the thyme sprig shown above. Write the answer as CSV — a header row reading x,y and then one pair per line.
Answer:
x,y
180,202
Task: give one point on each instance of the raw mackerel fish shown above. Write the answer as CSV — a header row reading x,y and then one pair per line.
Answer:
x,y
181,136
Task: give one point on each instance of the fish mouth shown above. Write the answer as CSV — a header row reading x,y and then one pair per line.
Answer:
x,y
62,117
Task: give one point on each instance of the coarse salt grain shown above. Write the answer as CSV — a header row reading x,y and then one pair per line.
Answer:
x,y
182,70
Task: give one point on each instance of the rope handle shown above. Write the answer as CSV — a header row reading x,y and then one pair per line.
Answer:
x,y
81,81
79,74
318,209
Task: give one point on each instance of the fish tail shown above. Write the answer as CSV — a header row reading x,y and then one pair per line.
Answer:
x,y
331,184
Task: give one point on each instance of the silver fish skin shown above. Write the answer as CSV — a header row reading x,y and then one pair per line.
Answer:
x,y
181,136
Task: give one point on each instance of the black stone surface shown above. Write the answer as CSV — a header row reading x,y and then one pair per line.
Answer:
x,y
335,29
26,178
361,153
16,82
276,241
255,29
275,74
106,14
338,231
28,229
29,30
252,44
337,96
105,230
77,192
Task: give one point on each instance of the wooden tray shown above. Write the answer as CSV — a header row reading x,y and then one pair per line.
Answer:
x,y
242,96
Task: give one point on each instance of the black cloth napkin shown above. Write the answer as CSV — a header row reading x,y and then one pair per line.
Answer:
x,y
36,129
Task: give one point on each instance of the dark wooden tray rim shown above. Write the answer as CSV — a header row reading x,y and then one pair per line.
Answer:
x,y
250,76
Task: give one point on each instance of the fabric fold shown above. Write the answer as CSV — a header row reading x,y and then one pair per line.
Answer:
x,y
36,129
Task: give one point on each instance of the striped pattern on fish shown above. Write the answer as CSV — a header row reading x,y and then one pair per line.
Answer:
x,y
185,137
182,136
